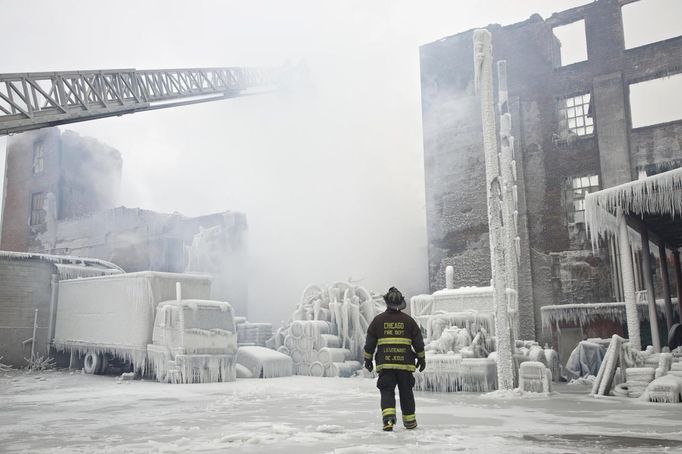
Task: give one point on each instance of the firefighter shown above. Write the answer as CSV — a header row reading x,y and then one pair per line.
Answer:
x,y
398,342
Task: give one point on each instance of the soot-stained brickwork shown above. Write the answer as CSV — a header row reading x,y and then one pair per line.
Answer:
x,y
555,167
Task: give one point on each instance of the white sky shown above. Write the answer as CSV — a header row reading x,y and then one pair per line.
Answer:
x,y
331,179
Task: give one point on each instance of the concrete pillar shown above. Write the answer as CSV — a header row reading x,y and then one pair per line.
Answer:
x,y
678,281
612,136
650,294
628,284
668,305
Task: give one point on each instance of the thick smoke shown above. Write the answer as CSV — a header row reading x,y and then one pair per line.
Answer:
x,y
330,174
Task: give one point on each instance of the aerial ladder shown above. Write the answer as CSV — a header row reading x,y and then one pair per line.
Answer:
x,y
38,100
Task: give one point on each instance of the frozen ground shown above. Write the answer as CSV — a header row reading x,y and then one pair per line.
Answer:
x,y
66,413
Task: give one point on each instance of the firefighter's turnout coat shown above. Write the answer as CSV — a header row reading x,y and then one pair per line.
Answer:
x,y
397,339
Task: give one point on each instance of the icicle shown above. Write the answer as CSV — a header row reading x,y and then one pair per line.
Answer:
x,y
584,314
658,194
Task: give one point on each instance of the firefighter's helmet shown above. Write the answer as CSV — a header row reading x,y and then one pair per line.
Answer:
x,y
394,299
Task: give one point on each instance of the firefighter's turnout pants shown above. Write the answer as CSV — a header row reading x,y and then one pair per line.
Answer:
x,y
388,379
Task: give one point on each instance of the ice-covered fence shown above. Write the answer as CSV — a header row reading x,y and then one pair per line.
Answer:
x,y
326,333
264,363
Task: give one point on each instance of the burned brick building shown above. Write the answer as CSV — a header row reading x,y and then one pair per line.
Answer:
x,y
576,131
61,198
58,175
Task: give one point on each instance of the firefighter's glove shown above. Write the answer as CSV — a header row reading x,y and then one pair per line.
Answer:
x,y
421,364
368,365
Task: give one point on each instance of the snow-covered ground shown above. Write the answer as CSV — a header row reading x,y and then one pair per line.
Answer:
x,y
59,411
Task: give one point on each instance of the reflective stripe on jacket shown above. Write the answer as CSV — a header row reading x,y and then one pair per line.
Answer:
x,y
397,339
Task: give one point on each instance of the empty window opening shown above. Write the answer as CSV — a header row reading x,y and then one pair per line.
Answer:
x,y
650,21
579,188
37,211
38,157
656,101
575,116
572,43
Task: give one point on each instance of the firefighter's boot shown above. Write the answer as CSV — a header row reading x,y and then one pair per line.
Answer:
x,y
410,421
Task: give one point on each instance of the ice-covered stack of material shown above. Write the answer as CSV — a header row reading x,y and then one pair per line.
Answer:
x,y
638,378
665,389
264,363
535,377
451,372
676,369
325,335
249,334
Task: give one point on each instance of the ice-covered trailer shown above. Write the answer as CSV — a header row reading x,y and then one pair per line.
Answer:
x,y
161,323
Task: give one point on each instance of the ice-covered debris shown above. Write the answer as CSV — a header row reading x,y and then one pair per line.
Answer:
x,y
127,376
329,428
516,393
4,367
609,365
666,389
264,363
665,362
638,378
587,380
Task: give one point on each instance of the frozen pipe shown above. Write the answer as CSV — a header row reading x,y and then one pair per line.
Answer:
x,y
33,339
628,284
668,305
483,78
54,292
178,291
449,277
678,280
650,295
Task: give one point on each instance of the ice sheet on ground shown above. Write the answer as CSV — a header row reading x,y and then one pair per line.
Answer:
x,y
74,413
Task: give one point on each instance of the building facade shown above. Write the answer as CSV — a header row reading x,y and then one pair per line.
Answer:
x,y
574,134
52,175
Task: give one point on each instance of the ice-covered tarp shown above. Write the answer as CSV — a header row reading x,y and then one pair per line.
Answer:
x,y
585,360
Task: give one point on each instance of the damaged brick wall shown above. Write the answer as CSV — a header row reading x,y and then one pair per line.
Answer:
x,y
81,174
560,266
